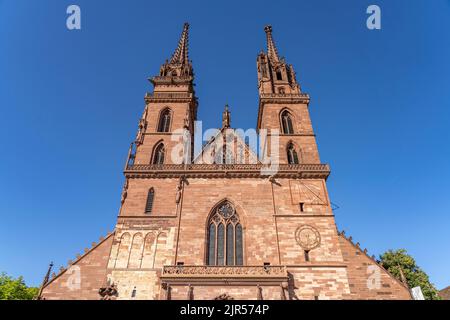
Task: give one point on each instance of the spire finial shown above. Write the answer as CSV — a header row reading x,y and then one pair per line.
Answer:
x,y
226,117
181,53
271,49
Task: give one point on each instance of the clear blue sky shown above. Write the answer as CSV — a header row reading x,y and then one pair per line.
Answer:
x,y
70,103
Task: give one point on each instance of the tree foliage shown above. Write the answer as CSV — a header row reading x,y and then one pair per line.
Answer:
x,y
415,276
15,289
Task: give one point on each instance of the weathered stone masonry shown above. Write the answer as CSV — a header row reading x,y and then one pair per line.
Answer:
x,y
214,230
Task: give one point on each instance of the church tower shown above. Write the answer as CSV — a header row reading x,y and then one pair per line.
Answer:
x,y
171,108
283,108
215,225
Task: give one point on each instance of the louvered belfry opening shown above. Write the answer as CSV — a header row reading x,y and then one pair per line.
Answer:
x,y
158,157
164,121
286,123
292,154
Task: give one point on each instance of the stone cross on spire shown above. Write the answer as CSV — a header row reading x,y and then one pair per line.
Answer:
x,y
271,49
180,56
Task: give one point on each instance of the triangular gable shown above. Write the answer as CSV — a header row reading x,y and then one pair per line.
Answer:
x,y
239,150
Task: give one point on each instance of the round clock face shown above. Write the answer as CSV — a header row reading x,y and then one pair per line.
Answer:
x,y
307,237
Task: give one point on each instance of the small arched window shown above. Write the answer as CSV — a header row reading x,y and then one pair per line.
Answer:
x,y
158,155
164,121
149,203
292,154
224,237
286,122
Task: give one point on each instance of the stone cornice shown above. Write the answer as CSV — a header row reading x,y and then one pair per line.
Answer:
x,y
304,215
147,216
294,171
283,98
169,80
170,97
224,274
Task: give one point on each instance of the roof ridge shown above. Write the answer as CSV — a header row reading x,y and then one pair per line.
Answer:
x,y
70,263
358,247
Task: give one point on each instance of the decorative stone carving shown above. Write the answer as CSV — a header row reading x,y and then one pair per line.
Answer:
x,y
259,293
224,296
306,171
224,271
124,192
190,294
179,190
307,237
108,293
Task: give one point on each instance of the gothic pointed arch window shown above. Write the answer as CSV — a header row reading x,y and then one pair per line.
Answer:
x,y
224,237
164,120
286,122
292,155
158,154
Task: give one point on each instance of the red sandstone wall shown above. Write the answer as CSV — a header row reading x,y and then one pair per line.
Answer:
x,y
303,138
92,276
362,272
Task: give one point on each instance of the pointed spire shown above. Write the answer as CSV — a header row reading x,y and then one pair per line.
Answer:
x,y
271,49
181,53
226,119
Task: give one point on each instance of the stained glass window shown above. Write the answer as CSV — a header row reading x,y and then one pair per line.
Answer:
x,y
220,244
224,237
212,244
230,244
239,259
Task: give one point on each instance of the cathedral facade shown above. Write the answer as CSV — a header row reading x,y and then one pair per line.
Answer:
x,y
224,223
